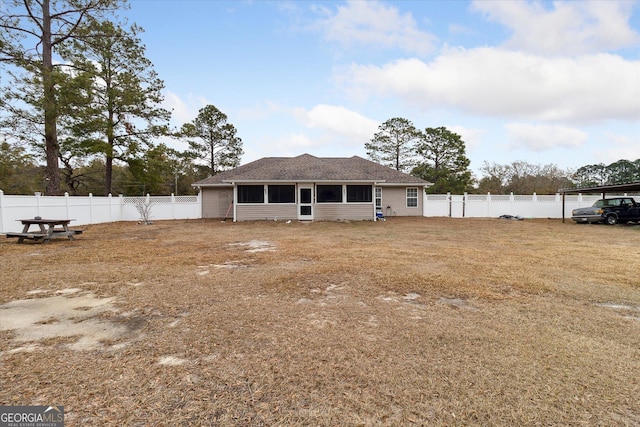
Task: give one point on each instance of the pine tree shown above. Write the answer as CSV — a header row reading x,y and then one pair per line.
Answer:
x,y
394,144
31,32
123,111
212,139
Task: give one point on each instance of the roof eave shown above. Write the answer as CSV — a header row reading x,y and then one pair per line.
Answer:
x,y
634,186
216,184
382,183
407,184
305,181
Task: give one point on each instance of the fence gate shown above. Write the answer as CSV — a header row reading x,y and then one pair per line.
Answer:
x,y
457,206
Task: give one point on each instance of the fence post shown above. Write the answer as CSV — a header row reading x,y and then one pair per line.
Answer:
x,y
464,202
110,201
450,203
1,206
173,206
66,205
37,195
487,203
90,208
511,202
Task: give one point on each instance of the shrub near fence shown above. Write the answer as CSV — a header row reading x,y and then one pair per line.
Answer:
x,y
93,209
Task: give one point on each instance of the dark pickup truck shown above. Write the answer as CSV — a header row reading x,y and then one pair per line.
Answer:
x,y
609,211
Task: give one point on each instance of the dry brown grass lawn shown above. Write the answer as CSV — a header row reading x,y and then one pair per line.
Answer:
x,y
425,321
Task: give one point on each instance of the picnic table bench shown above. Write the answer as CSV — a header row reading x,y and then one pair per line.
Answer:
x,y
47,229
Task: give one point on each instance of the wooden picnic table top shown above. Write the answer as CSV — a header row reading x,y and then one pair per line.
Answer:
x,y
44,221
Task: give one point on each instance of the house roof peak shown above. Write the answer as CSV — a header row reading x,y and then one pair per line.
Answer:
x,y
307,167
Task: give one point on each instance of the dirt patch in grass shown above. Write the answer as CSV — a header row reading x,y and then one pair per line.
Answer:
x,y
425,321
79,316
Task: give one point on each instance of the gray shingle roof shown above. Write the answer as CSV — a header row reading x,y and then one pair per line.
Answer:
x,y
310,168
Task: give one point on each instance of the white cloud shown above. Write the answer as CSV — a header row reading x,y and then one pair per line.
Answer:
x,y
455,28
293,142
373,24
616,147
498,82
287,145
574,27
183,111
354,127
261,111
471,136
544,137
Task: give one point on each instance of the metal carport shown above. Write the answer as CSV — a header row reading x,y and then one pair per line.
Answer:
x,y
618,188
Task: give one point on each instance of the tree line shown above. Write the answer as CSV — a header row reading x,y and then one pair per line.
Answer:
x,y
439,156
436,155
81,92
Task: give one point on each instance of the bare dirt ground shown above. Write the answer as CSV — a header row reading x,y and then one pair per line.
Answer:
x,y
424,321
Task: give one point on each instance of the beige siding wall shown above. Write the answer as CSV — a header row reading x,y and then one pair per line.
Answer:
x,y
216,202
396,199
349,211
252,212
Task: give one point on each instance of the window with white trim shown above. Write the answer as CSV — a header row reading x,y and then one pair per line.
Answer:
x,y
250,193
282,194
412,197
378,197
358,193
329,193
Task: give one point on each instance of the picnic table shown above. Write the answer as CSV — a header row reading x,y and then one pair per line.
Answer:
x,y
47,229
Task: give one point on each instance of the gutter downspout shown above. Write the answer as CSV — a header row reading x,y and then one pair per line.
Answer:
x,y
424,200
233,202
373,198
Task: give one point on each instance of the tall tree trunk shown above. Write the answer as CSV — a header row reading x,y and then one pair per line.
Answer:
x,y
111,117
51,147
108,161
108,174
212,160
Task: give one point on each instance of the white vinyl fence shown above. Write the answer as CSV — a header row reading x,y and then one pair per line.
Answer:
x,y
493,206
94,209
98,209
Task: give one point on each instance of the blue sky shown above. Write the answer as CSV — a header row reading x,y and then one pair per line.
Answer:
x,y
542,82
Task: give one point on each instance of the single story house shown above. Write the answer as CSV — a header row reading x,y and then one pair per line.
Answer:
x,y
309,188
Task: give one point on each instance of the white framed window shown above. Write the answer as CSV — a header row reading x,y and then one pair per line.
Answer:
x,y
250,193
358,193
412,197
282,193
329,193
378,197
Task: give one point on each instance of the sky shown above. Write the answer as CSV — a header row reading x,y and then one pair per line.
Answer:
x,y
534,81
